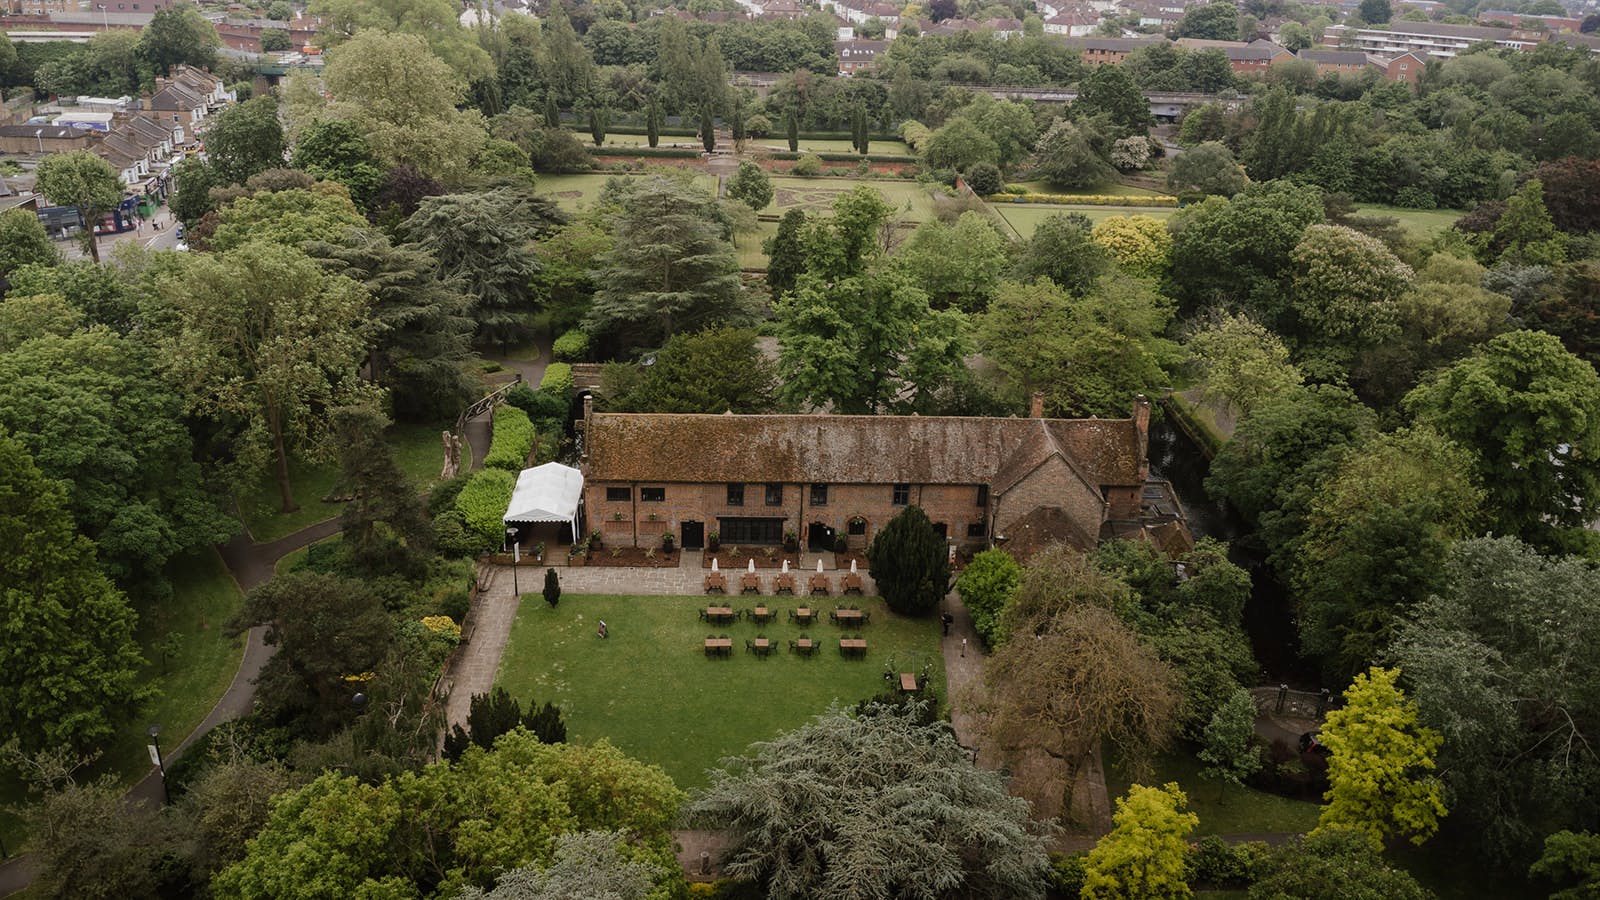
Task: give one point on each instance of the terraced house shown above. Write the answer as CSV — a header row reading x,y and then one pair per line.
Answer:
x,y
1019,483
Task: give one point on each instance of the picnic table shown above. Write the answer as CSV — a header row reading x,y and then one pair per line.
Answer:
x,y
718,582
852,647
908,683
749,583
719,646
819,584
848,616
717,614
804,615
761,646
783,584
804,646
852,584
761,614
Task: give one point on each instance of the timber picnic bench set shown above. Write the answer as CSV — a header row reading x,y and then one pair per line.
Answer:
x,y
784,583
762,646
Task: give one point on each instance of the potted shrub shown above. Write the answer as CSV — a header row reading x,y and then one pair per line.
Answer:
x,y
791,540
840,545
538,551
667,542
714,542
594,539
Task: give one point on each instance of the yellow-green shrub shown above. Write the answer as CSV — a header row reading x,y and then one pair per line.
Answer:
x,y
513,439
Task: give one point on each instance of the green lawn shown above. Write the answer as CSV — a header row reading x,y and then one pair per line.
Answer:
x,y
1424,223
1025,217
1234,811
651,690
1110,190
574,192
187,685
417,450
818,194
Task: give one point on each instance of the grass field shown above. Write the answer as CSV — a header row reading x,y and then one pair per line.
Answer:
x,y
574,192
651,690
416,449
1110,190
1025,217
187,685
1424,223
818,194
1235,811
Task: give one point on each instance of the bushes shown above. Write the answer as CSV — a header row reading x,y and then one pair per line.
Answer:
x,y
984,178
986,585
547,410
557,379
514,437
809,166
571,347
482,506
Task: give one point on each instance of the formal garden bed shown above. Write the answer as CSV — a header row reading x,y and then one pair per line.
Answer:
x,y
643,557
731,558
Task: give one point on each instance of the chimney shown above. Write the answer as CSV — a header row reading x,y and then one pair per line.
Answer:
x,y
1141,433
588,417
1036,405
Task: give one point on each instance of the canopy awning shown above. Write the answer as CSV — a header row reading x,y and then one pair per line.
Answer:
x,y
547,493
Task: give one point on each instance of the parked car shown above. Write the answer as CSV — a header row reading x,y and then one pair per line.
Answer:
x,y
1311,742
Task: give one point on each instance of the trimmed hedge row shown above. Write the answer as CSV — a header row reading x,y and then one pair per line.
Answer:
x,y
513,439
659,152
571,346
482,504
1083,200
557,379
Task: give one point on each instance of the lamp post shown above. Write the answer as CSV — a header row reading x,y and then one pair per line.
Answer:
x,y
105,17
155,757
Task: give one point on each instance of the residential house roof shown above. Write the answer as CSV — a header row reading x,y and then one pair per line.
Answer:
x,y
855,449
178,97
1334,57
1234,50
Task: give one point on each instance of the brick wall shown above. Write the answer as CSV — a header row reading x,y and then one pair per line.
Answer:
x,y
629,523
1052,484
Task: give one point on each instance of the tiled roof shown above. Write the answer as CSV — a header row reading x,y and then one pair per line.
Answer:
x,y
1335,57
176,96
852,449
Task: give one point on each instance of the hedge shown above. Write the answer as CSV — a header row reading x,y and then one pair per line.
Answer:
x,y
513,439
571,347
659,152
1083,200
482,504
557,379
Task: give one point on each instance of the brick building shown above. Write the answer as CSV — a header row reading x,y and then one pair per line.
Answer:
x,y
1336,62
1023,483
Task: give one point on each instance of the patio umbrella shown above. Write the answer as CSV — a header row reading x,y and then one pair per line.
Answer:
x,y
786,567
852,567
713,563
752,566
819,567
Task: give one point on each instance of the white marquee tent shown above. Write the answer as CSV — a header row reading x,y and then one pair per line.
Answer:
x,y
547,493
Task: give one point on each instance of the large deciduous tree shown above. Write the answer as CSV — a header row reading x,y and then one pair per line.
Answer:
x,y
1346,288
1381,762
1207,169
86,183
910,563
264,338
336,150
1065,158
671,269
872,805
1241,362
436,21
69,656
179,35
1144,855
456,825
23,241
1503,664
292,217
95,414
404,99
1338,858
1530,412
245,138
1380,527
1089,355
1239,249
751,185
1063,250
1072,676
958,264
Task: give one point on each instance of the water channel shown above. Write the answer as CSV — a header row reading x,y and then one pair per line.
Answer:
x,y
1268,616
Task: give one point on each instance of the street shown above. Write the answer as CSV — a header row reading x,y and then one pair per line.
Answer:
x,y
145,236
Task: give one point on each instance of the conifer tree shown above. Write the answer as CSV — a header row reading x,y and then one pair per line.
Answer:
x,y
910,563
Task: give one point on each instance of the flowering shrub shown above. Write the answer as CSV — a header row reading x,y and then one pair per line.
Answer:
x,y
1139,244
443,627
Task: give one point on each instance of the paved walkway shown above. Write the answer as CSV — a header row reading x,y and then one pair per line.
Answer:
x,y
473,669
250,564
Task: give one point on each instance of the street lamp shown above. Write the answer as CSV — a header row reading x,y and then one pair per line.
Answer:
x,y
38,135
105,17
155,757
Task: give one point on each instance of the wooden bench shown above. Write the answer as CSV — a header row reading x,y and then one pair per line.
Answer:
x,y
749,583
783,584
908,683
718,582
819,584
851,584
